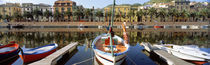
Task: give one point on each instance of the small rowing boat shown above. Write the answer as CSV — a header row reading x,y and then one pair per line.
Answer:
x,y
34,54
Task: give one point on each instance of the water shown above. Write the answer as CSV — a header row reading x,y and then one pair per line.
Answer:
x,y
135,56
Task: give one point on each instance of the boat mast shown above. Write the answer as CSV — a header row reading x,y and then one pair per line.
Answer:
x,y
112,20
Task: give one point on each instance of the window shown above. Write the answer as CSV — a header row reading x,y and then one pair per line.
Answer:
x,y
69,9
68,4
62,4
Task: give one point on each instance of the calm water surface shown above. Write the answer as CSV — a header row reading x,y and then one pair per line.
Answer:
x,y
85,53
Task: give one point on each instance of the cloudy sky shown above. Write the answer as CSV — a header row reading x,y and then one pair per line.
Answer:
x,y
86,3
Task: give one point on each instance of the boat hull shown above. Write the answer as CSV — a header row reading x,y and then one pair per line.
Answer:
x,y
35,57
109,60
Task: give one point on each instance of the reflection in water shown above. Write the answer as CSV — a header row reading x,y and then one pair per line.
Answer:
x,y
34,39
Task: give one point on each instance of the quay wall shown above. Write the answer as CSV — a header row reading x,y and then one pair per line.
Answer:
x,y
100,23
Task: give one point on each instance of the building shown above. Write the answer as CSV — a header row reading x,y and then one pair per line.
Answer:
x,y
10,9
62,6
121,13
42,7
182,4
27,7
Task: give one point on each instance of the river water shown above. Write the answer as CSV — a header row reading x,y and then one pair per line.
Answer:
x,y
84,54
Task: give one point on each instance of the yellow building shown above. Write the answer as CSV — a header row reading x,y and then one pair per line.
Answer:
x,y
121,13
63,6
10,9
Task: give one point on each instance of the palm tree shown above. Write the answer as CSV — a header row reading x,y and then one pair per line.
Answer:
x,y
8,18
27,15
37,13
140,13
204,13
99,14
47,14
193,15
0,16
173,12
184,15
88,13
152,12
17,16
57,15
69,14
130,14
78,13
162,14
108,16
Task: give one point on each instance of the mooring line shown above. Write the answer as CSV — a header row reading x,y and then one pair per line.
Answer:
x,y
131,60
83,61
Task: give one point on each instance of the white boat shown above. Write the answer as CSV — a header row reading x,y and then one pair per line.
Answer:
x,y
147,46
111,54
184,27
194,27
188,52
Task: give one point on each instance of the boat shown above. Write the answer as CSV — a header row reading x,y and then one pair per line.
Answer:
x,y
194,27
11,54
158,26
190,53
103,51
34,54
184,27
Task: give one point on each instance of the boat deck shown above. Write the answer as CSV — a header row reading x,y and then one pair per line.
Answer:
x,y
101,46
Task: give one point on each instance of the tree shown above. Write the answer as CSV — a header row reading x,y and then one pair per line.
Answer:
x,y
0,16
130,14
69,14
204,13
99,14
17,16
184,14
108,15
88,13
57,15
193,15
139,14
173,12
8,18
47,14
37,13
28,15
152,12
78,13
162,14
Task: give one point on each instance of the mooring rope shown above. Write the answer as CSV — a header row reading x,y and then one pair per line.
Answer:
x,y
131,60
83,61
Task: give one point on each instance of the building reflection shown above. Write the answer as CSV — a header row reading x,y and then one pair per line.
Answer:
x,y
34,39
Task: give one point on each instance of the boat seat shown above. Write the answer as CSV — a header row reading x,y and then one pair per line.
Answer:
x,y
107,41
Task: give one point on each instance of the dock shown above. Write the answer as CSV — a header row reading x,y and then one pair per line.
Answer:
x,y
170,59
165,56
53,58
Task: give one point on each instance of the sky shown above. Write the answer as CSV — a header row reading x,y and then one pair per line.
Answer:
x,y
86,3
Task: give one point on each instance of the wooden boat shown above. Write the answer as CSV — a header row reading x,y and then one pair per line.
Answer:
x,y
190,53
38,53
103,51
11,54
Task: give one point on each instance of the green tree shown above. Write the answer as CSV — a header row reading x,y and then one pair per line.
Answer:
x,y
140,14
162,15
131,14
37,13
184,15
28,15
78,13
204,14
57,15
99,14
173,12
69,14
192,16
8,18
88,13
152,12
17,16
47,14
